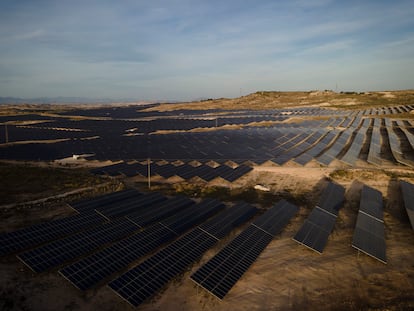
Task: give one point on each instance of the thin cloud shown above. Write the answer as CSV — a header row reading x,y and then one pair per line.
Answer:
x,y
183,49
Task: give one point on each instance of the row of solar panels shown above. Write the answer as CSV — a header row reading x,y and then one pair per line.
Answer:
x,y
108,129
388,110
184,171
112,231
279,144
351,141
369,235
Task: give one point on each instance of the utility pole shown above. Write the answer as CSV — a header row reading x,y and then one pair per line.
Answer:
x,y
6,132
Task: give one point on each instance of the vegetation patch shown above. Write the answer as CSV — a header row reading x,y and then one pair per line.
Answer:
x,y
21,183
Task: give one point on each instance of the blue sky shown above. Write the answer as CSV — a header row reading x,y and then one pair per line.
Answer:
x,y
180,50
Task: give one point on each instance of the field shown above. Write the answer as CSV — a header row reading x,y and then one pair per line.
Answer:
x,y
292,143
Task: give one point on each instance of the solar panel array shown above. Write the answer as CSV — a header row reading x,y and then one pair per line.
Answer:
x,y
407,190
58,252
316,229
185,171
90,270
103,200
329,155
305,141
318,148
144,280
396,146
11,242
352,154
369,236
374,154
129,138
409,136
221,272
126,207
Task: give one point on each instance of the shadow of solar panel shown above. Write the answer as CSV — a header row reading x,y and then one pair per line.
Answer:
x,y
221,272
45,232
130,206
407,190
141,282
90,204
92,269
60,251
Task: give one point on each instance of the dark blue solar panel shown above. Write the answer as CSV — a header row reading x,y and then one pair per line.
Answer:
x,y
143,281
107,199
369,236
130,206
45,232
407,190
60,251
316,229
221,272
158,211
90,270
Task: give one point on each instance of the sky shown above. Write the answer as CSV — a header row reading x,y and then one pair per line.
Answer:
x,y
190,49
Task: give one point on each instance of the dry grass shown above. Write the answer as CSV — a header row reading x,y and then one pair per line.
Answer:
x,y
274,100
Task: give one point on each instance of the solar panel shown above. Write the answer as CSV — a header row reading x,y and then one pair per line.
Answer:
x,y
22,239
407,190
161,210
221,272
351,155
222,223
90,270
91,204
130,206
143,281
369,234
316,229
369,237
56,253
371,202
329,155
374,154
315,150
332,198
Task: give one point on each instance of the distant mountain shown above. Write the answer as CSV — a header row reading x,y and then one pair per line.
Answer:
x,y
62,100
